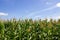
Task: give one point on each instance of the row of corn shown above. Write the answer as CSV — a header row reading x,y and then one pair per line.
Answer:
x,y
29,29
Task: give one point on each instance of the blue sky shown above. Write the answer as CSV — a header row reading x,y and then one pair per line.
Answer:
x,y
29,9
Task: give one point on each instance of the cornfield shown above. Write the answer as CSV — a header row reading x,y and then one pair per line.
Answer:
x,y
29,29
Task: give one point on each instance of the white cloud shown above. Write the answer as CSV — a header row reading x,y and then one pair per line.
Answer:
x,y
58,4
37,12
3,14
37,17
58,17
34,14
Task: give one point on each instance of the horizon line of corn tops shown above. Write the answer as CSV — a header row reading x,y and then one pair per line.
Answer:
x,y
29,29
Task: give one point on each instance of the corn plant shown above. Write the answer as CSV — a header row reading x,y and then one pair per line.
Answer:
x,y
29,29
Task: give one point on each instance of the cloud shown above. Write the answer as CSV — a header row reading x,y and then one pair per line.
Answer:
x,y
37,12
37,17
58,4
3,14
58,16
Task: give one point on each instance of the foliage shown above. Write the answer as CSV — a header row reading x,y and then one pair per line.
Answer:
x,y
29,29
